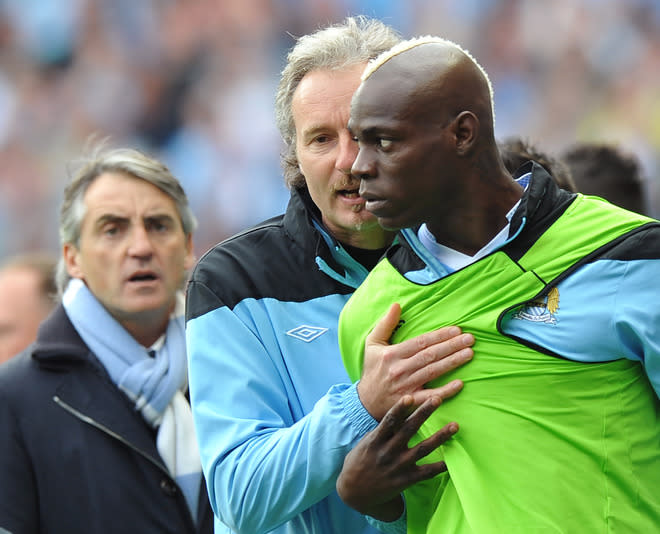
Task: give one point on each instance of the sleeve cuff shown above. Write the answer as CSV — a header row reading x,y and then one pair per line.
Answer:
x,y
356,413
393,527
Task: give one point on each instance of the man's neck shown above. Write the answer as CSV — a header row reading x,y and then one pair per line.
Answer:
x,y
366,257
481,219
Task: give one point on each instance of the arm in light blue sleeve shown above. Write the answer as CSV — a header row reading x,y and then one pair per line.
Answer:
x,y
263,464
394,527
605,314
637,317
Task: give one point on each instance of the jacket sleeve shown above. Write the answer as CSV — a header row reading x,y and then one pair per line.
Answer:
x,y
263,467
636,319
18,494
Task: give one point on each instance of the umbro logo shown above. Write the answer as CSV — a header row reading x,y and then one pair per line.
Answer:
x,y
306,333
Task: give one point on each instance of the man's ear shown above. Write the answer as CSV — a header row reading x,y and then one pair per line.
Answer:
x,y
466,131
190,258
71,260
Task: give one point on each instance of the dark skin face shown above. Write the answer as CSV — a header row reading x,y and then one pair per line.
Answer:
x,y
427,152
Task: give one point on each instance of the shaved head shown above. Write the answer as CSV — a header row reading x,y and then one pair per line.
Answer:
x,y
423,118
438,75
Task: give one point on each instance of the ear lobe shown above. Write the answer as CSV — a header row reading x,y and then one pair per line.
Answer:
x,y
466,130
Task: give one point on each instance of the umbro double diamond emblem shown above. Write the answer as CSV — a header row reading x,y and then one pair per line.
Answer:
x,y
306,333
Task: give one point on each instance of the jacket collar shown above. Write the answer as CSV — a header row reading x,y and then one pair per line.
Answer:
x,y
541,204
303,224
58,342
301,213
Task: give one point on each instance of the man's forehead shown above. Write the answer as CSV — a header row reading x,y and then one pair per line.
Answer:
x,y
123,192
117,211
403,88
383,95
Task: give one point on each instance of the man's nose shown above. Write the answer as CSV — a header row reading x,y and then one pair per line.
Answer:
x,y
363,167
348,149
140,244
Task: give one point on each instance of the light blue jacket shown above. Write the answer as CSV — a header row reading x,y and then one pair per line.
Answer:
x,y
274,409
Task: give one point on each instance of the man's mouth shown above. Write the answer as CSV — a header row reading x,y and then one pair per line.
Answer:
x,y
143,277
373,204
350,194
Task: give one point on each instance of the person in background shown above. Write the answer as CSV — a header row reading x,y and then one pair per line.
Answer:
x,y
97,434
274,410
560,412
27,295
607,171
516,151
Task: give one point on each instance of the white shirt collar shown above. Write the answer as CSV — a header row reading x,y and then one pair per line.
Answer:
x,y
454,259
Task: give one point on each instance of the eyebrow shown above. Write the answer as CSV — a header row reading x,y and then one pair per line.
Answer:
x,y
109,217
113,217
368,132
313,130
159,217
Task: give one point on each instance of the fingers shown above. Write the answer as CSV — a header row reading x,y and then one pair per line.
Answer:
x,y
395,417
382,464
422,449
415,420
430,345
409,367
384,328
426,471
443,392
402,422
436,361
459,346
447,343
426,368
427,446
417,372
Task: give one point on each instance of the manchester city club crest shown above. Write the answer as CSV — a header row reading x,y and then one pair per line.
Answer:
x,y
541,310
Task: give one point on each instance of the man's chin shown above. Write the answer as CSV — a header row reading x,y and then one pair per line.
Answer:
x,y
389,225
145,302
364,221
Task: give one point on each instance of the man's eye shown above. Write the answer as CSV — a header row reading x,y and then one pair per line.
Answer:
x,y
110,230
158,226
384,143
321,139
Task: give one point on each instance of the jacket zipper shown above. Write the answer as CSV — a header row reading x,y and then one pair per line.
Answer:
x,y
102,428
86,419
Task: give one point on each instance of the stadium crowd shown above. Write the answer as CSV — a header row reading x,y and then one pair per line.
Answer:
x,y
192,82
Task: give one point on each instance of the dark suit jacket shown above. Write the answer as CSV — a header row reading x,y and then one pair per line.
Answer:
x,y
75,456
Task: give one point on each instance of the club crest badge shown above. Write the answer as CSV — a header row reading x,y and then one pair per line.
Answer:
x,y
541,310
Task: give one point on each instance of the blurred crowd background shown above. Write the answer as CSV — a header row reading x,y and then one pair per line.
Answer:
x,y
192,82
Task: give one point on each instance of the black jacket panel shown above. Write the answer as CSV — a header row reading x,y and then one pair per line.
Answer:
x,y
75,456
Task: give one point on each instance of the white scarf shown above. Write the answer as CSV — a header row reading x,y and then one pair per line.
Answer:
x,y
156,384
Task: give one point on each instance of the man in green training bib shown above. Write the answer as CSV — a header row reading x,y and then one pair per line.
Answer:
x,y
560,418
